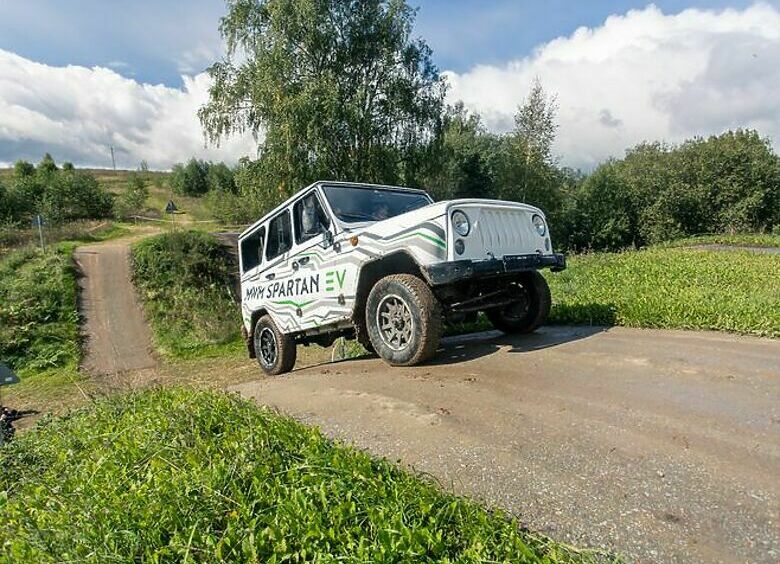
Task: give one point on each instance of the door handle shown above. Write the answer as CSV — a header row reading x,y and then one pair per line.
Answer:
x,y
303,261
270,276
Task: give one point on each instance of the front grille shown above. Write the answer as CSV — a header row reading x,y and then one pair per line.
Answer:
x,y
500,230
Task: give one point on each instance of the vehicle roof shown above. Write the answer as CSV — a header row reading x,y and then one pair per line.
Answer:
x,y
289,201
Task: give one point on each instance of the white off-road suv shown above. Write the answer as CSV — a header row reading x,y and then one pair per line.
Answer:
x,y
390,267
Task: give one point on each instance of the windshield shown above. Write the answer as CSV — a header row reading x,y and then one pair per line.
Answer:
x,y
354,205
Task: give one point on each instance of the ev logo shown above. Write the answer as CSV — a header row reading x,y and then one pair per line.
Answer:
x,y
334,278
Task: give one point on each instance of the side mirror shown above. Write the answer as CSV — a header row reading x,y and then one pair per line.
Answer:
x,y
327,239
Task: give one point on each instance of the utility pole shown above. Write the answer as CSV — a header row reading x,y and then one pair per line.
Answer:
x,y
113,160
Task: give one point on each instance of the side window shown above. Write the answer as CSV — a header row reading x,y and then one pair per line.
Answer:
x,y
279,236
310,218
252,250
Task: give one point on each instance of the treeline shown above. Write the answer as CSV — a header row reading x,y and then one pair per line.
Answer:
x,y
354,95
59,194
728,183
64,194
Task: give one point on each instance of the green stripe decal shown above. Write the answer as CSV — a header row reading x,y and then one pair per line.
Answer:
x,y
433,239
294,303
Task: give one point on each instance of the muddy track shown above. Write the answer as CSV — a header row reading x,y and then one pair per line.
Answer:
x,y
661,445
117,337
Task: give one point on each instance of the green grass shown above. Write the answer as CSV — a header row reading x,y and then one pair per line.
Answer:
x,y
677,288
184,280
743,240
176,475
38,314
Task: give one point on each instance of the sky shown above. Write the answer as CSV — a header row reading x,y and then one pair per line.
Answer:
x,y
79,76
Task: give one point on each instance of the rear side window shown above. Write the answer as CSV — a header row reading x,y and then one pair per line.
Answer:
x,y
252,250
310,218
279,236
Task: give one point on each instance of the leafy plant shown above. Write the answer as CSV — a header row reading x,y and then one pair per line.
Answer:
x,y
38,315
186,283
176,475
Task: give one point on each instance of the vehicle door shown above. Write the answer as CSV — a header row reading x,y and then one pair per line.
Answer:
x,y
276,273
318,283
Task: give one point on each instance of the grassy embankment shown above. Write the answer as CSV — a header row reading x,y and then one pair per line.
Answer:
x,y
39,320
184,280
676,288
205,476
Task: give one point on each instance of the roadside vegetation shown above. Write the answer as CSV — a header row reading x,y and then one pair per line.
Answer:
x,y
672,288
209,477
765,240
185,280
38,313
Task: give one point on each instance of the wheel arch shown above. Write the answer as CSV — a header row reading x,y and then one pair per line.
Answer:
x,y
249,336
398,262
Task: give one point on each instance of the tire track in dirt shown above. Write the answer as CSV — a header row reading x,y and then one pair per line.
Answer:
x,y
118,338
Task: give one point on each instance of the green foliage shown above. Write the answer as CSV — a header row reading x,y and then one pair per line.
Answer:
x,y
724,184
190,179
220,178
38,315
174,475
198,177
59,195
528,168
75,195
676,288
468,158
133,199
340,90
185,281
23,169
46,166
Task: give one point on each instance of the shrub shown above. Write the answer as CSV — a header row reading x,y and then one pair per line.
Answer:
x,y
23,169
190,179
174,475
75,195
47,165
132,200
186,282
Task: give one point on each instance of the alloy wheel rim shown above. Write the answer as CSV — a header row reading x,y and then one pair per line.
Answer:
x,y
395,322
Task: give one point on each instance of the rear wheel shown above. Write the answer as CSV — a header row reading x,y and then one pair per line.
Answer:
x,y
529,311
403,319
275,351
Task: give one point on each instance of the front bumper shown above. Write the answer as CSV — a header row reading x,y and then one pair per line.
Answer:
x,y
459,270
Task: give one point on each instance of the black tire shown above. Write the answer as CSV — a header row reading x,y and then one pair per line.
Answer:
x,y
529,313
283,358
420,325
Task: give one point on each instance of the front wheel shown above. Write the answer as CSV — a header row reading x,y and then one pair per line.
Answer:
x,y
403,319
529,311
275,351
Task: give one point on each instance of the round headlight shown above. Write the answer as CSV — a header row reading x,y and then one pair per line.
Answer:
x,y
460,223
539,225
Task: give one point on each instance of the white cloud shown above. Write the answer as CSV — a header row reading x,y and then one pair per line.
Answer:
x,y
76,113
643,76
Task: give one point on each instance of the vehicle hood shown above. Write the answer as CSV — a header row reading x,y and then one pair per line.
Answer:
x,y
433,212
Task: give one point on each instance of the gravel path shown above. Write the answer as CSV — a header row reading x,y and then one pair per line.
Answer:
x,y
661,445
118,337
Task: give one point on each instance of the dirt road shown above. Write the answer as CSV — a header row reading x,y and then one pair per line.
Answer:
x,y
118,338
662,445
